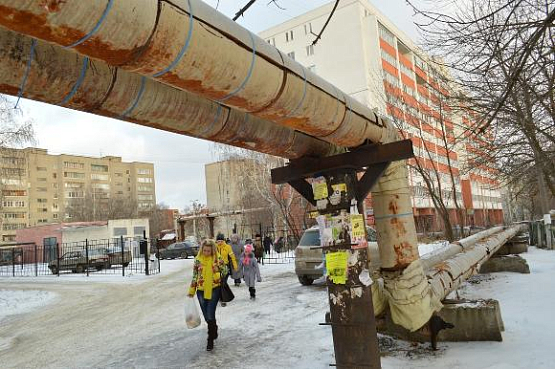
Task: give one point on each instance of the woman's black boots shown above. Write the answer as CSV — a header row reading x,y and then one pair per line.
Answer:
x,y
212,334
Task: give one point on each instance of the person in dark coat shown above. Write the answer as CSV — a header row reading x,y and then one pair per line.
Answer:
x,y
267,244
258,248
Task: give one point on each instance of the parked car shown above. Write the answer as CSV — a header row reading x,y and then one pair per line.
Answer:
x,y
308,260
115,258
76,261
179,250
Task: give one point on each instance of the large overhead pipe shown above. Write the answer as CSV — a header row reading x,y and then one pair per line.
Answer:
x,y
191,46
186,44
52,75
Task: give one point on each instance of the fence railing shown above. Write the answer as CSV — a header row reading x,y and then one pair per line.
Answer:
x,y
123,255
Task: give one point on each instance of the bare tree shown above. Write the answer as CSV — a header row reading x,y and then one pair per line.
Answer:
x,y
503,57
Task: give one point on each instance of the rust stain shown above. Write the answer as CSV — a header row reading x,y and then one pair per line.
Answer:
x,y
9,90
37,26
405,254
393,207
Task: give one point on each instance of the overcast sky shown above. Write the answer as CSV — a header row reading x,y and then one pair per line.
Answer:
x,y
178,160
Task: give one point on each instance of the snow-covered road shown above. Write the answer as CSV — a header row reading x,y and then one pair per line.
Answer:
x,y
138,322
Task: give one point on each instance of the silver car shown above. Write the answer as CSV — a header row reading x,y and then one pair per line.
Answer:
x,y
309,259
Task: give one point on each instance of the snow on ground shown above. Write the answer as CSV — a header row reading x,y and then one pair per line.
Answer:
x,y
426,248
20,302
143,324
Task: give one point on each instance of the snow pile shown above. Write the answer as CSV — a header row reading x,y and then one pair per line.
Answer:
x,y
19,302
426,248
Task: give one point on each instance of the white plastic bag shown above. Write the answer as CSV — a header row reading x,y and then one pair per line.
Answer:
x,y
192,314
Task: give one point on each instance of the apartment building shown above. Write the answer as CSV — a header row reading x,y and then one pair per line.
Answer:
x,y
38,188
368,57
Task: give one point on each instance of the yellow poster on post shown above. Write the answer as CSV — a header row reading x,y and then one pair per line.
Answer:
x,y
336,265
339,187
319,188
357,226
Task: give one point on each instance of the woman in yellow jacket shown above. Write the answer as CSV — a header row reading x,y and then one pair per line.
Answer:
x,y
227,255
208,269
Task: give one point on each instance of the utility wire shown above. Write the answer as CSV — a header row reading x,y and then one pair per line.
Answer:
x,y
243,9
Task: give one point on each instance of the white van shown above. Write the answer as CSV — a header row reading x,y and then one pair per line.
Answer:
x,y
307,259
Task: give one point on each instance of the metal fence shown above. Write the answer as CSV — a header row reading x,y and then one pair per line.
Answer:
x,y
121,255
276,251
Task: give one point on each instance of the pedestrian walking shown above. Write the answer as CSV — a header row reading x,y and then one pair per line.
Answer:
x,y
208,269
267,244
250,269
227,255
237,247
258,248
279,244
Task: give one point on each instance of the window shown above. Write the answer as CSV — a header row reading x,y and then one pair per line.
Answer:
x,y
42,200
138,231
13,172
14,193
119,174
41,179
144,171
13,204
101,186
99,168
74,165
42,189
388,58
144,180
41,169
291,55
54,216
120,231
74,175
73,185
385,34
13,226
308,29
145,197
11,181
100,177
289,36
42,221
144,188
310,50
14,215
42,210
54,175
12,160
74,194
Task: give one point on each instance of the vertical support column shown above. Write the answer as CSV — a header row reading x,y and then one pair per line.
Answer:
x,y
87,256
351,311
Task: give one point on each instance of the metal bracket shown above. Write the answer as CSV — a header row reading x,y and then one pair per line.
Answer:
x,y
372,159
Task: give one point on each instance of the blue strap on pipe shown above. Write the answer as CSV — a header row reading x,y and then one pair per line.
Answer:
x,y
78,82
394,216
211,125
183,49
141,90
95,29
232,93
302,99
27,69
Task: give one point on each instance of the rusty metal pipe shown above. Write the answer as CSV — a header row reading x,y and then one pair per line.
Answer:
x,y
438,256
189,45
54,75
448,275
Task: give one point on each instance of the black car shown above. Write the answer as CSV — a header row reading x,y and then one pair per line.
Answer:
x,y
179,250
